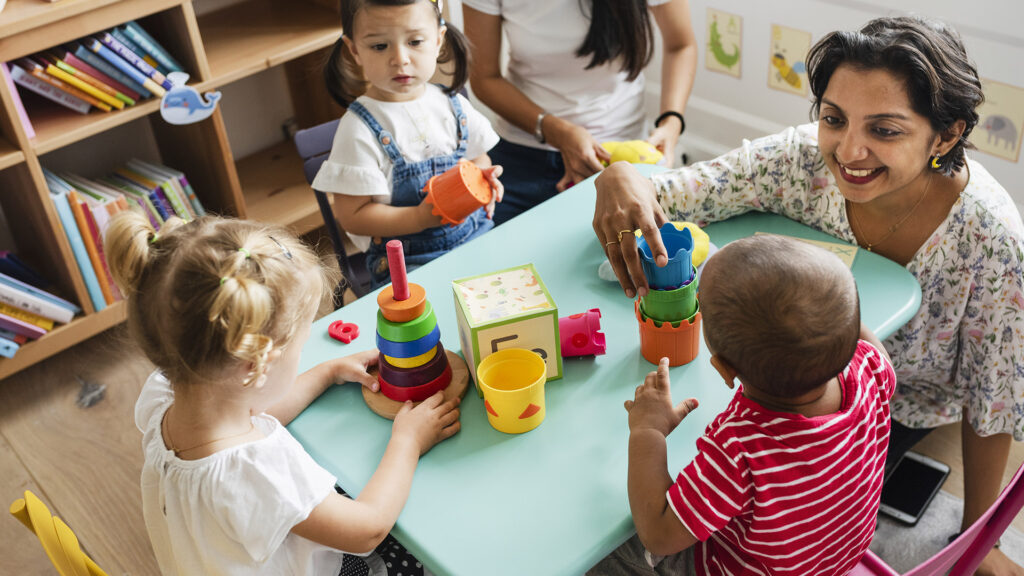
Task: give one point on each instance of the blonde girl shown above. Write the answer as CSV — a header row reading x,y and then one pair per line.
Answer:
x,y
222,308
399,130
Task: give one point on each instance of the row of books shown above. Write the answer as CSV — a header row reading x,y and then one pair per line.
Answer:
x,y
86,205
27,311
111,70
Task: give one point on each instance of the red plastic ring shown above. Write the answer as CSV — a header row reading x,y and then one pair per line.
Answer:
x,y
412,377
343,331
416,393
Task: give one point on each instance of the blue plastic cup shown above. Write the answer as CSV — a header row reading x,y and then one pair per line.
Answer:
x,y
679,270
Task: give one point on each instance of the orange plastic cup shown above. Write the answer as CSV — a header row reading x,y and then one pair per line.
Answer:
x,y
679,343
458,192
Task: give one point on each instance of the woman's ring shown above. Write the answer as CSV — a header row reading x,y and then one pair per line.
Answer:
x,y
621,232
610,242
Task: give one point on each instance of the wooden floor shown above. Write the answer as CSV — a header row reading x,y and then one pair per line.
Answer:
x,y
85,462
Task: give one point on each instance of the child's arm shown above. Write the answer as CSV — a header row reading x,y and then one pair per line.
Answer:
x,y
362,216
313,382
869,336
492,173
359,525
651,418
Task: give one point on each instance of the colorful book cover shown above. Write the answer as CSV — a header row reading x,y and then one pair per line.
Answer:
x,y
8,347
90,245
24,316
152,203
82,66
135,60
109,69
22,115
153,190
96,83
123,38
30,331
151,46
39,293
47,90
77,82
38,70
29,302
148,177
67,220
97,218
124,66
178,175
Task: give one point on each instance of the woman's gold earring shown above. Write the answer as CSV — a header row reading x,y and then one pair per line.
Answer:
x,y
935,162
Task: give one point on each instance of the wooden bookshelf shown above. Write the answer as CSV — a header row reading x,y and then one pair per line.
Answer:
x,y
216,49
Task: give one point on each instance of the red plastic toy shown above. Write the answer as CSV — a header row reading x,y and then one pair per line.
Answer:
x,y
581,335
342,331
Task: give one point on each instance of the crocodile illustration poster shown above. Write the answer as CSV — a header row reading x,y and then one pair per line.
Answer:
x,y
725,43
786,69
1001,120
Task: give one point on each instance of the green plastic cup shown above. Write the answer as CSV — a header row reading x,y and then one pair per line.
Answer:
x,y
671,305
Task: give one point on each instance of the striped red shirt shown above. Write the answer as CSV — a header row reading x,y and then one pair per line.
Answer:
x,y
779,493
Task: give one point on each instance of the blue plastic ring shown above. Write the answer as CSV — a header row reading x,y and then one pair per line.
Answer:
x,y
409,349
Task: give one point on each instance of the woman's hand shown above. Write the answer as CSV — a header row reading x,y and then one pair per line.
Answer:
x,y
497,189
625,202
664,138
581,154
430,422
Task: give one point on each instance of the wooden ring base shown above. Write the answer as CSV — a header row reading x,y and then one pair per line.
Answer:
x,y
388,408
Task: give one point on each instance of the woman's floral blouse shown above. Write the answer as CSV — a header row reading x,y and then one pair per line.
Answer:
x,y
965,346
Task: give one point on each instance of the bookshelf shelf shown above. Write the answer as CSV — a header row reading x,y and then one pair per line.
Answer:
x,y
216,49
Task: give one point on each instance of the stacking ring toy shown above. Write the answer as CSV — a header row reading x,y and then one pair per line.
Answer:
x,y
402,310
412,377
407,331
415,360
416,393
409,349
342,331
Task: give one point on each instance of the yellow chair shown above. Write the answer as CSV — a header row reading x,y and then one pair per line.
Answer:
x,y
57,539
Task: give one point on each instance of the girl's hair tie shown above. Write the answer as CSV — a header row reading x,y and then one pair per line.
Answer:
x,y
223,279
154,238
246,252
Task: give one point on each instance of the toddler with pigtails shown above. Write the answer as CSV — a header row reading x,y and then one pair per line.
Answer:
x,y
222,308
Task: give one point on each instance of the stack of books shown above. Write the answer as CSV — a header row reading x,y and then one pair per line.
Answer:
x,y
86,205
27,311
108,71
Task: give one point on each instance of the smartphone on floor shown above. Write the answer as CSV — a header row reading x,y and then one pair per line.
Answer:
x,y
911,487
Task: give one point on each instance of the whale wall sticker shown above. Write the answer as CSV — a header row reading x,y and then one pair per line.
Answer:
x,y
183,105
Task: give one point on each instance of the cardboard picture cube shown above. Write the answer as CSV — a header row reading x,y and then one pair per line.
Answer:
x,y
509,308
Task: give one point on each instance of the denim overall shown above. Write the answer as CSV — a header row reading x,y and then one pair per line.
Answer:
x,y
408,180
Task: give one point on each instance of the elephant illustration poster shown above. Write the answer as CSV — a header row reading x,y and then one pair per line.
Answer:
x,y
786,69
725,43
1001,120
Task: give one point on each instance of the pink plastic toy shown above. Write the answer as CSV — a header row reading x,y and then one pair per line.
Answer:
x,y
342,331
581,334
396,264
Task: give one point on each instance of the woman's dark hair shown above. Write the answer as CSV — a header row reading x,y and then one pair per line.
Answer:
x,y
619,28
942,83
344,78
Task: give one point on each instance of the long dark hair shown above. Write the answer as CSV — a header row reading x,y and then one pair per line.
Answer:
x,y
344,78
619,28
942,83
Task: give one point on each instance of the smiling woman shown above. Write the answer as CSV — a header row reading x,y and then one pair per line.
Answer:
x,y
884,168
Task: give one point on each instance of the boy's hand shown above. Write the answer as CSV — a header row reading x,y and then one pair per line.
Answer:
x,y
355,368
432,421
651,407
497,189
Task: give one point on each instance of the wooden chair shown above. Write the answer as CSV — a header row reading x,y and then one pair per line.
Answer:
x,y
58,541
314,145
962,556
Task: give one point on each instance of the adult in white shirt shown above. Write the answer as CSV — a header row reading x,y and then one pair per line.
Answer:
x,y
575,79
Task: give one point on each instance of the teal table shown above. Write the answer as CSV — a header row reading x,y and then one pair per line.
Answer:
x,y
552,500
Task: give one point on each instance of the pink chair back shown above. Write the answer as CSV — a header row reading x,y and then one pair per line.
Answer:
x,y
964,554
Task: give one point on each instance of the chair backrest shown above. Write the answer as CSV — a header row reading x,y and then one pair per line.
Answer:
x,y
962,556
314,145
59,542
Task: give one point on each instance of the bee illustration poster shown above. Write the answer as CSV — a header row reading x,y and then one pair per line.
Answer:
x,y
1001,119
725,43
786,69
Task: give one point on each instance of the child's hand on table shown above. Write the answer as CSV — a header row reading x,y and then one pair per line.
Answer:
x,y
652,408
497,189
430,422
355,368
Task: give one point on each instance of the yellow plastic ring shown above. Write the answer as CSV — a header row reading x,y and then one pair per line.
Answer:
x,y
414,361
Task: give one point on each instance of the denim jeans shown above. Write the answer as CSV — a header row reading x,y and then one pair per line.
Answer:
x,y
529,177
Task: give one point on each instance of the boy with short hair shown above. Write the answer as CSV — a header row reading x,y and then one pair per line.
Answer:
x,y
787,478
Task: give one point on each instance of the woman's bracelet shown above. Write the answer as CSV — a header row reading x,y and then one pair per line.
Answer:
x,y
682,123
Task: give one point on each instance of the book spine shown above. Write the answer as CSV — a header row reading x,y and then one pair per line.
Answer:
x,y
8,348
33,319
22,115
132,58
30,331
200,211
172,196
122,65
151,46
60,84
46,90
95,83
12,267
67,219
124,93
84,86
123,38
96,231
31,303
110,70
90,245
39,293
18,339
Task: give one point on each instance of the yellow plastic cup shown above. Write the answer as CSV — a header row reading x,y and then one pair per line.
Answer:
x,y
512,381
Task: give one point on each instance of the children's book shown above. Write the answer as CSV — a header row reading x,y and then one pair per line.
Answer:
x,y
38,69
124,66
154,192
97,84
152,202
135,60
67,220
24,316
148,178
82,66
13,267
22,115
179,176
30,331
91,247
143,40
29,302
45,89
39,293
81,84
8,347
123,38
18,339
109,69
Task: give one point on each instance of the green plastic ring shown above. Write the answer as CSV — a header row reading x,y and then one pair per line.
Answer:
x,y
407,331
